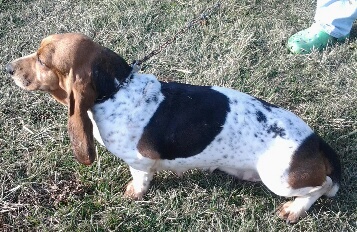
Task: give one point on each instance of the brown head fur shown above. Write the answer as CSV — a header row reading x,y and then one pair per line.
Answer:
x,y
63,66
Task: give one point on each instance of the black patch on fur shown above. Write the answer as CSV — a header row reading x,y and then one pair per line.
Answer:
x,y
277,131
265,104
261,117
186,122
107,68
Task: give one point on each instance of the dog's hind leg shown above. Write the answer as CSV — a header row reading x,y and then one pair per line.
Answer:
x,y
311,171
291,211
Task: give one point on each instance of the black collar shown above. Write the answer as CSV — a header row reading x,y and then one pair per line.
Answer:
x,y
112,89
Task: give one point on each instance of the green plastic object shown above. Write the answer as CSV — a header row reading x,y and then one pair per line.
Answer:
x,y
303,42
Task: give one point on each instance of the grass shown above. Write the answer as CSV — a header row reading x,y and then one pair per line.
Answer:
x,y
42,188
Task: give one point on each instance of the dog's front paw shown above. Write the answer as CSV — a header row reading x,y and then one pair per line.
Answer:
x,y
131,193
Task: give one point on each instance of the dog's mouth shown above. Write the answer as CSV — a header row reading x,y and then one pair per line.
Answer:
x,y
24,82
22,79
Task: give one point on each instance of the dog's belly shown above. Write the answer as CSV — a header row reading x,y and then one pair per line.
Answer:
x,y
244,159
241,169
242,174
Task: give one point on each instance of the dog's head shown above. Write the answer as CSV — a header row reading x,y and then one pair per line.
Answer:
x,y
77,72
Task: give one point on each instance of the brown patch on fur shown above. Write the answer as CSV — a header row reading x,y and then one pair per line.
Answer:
x,y
328,166
308,167
80,128
62,66
145,149
75,86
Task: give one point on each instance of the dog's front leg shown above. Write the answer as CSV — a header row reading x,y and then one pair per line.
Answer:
x,y
139,185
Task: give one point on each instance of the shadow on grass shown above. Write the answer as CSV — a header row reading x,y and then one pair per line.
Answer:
x,y
236,190
353,33
210,184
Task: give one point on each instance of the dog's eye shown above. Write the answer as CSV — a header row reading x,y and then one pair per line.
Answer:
x,y
38,59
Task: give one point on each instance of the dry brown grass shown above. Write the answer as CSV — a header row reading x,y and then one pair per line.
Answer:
x,y
43,189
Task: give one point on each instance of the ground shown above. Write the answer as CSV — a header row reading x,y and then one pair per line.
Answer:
x,y
243,46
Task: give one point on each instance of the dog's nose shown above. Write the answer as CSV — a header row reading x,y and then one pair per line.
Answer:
x,y
9,69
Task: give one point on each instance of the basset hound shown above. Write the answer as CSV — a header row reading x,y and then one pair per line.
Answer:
x,y
154,125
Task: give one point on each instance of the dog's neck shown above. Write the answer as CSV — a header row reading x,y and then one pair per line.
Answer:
x,y
109,89
109,73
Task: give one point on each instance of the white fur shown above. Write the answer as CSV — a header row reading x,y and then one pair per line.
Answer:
x,y
243,148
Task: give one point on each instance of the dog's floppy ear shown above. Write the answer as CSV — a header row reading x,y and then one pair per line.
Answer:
x,y
80,128
93,77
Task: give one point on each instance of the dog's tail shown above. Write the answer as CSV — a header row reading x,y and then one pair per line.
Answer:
x,y
333,164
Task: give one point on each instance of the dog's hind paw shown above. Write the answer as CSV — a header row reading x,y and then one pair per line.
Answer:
x,y
290,213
